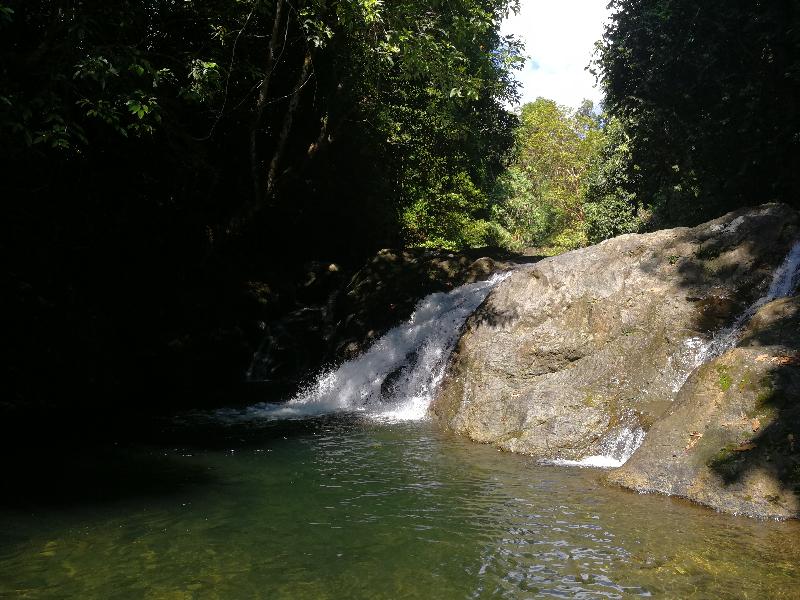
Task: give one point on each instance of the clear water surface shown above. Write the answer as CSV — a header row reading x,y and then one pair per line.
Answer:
x,y
343,507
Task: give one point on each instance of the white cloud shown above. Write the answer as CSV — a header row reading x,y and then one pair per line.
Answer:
x,y
559,38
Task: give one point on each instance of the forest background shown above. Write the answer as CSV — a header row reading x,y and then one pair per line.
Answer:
x,y
161,156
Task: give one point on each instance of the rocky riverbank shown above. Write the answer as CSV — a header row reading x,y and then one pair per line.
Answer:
x,y
568,353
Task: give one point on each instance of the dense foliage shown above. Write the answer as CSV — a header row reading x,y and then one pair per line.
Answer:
x,y
243,98
699,118
160,155
168,164
609,208
707,94
540,199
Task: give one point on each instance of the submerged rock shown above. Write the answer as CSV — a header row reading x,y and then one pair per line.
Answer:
x,y
732,439
569,351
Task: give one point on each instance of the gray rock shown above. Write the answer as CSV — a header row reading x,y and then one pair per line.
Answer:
x,y
732,438
568,350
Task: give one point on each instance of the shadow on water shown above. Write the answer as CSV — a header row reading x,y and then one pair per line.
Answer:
x,y
146,459
166,459
208,432
105,475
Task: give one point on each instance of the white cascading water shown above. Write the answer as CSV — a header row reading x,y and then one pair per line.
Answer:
x,y
784,283
615,449
395,379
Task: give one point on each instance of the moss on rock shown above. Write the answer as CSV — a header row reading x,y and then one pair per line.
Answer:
x,y
747,461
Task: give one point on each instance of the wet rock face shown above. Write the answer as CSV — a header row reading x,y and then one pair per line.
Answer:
x,y
732,439
570,349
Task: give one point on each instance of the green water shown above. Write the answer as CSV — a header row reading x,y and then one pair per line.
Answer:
x,y
341,508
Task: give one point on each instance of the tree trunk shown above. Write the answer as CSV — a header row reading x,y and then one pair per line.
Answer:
x,y
261,102
265,192
287,124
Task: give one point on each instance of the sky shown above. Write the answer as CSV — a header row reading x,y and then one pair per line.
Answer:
x,y
559,38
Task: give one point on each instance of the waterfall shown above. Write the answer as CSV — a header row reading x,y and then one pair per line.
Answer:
x,y
395,379
784,283
616,448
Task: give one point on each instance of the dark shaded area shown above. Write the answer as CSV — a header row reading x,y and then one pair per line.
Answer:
x,y
723,254
170,189
775,446
489,314
707,95
165,456
73,477
199,431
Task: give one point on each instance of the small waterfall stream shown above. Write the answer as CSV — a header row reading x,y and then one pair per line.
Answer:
x,y
616,448
784,283
619,444
697,351
395,379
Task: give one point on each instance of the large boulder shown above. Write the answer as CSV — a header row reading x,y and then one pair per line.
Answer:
x,y
567,352
732,439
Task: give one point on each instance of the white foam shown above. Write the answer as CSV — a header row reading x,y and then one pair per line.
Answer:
x,y
597,462
688,357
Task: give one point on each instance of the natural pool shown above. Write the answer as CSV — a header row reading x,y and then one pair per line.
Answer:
x,y
342,507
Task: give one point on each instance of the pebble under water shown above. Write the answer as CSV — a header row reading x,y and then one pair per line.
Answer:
x,y
343,507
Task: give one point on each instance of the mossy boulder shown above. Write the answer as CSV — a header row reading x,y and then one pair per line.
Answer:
x,y
732,438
